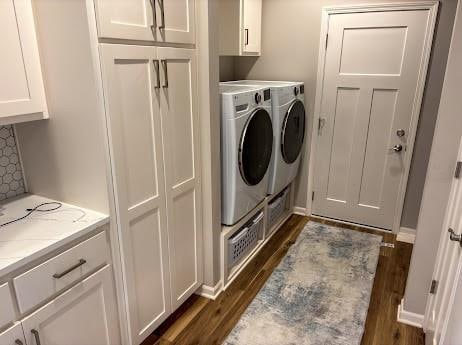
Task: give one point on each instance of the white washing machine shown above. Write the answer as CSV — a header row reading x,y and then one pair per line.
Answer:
x,y
246,147
289,129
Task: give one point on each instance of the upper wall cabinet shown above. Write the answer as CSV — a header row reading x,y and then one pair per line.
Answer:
x,y
22,96
169,21
240,27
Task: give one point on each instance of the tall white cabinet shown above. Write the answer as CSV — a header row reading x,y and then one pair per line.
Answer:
x,y
154,139
154,143
130,71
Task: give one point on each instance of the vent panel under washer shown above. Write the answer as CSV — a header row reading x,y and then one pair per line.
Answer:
x,y
245,239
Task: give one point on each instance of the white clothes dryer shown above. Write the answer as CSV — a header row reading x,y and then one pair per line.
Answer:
x,y
246,148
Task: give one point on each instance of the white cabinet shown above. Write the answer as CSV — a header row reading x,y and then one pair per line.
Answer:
x,y
251,19
240,27
84,315
170,21
22,95
13,335
153,128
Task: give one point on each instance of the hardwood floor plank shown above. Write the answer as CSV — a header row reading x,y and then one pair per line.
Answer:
x,y
202,321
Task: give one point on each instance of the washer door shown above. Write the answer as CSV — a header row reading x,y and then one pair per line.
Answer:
x,y
293,132
255,147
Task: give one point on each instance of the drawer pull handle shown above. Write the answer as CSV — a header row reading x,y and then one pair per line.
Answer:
x,y
70,269
36,336
18,342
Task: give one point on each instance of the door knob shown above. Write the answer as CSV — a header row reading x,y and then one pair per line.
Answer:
x,y
454,237
397,148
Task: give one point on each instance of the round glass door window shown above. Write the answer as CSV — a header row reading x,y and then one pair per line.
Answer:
x,y
255,147
293,132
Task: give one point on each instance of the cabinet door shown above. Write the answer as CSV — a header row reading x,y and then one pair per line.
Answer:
x,y
252,11
180,132
84,315
21,84
133,116
147,20
176,21
126,19
13,336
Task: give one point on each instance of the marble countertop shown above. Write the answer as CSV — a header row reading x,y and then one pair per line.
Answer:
x,y
41,232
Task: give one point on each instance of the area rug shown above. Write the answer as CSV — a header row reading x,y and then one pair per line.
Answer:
x,y
318,295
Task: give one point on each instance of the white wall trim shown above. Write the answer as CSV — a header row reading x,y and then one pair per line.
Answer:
x,y
406,235
300,211
408,318
211,292
432,7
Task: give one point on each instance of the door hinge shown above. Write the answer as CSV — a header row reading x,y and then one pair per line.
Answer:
x,y
434,287
327,40
312,196
458,169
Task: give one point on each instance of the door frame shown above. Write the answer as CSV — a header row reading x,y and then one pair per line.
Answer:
x,y
432,7
454,199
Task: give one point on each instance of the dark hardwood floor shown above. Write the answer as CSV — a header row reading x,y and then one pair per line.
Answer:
x,y
202,321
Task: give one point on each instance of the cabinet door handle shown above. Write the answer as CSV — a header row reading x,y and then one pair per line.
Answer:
x,y
156,67
246,37
18,342
165,68
36,336
70,269
154,14
162,14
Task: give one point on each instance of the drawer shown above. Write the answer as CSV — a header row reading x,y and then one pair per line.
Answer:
x,y
6,305
54,275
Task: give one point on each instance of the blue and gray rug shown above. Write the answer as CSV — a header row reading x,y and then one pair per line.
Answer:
x,y
318,295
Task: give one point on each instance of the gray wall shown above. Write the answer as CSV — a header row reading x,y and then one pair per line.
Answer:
x,y
290,43
439,178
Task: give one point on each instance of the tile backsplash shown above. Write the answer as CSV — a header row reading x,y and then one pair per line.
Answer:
x,y
11,177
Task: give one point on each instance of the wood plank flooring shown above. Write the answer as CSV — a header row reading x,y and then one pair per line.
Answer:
x,y
202,321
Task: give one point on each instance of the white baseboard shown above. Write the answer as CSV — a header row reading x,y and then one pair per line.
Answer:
x,y
408,318
406,235
210,292
300,210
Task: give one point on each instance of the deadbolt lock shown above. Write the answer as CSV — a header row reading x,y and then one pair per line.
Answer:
x,y
397,148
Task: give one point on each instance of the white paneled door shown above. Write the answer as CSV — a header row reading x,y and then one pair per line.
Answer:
x,y
132,98
444,310
371,84
180,128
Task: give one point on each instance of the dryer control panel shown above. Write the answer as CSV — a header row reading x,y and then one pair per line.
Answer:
x,y
239,100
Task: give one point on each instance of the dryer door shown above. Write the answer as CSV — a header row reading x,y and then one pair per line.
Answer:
x,y
255,147
293,132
